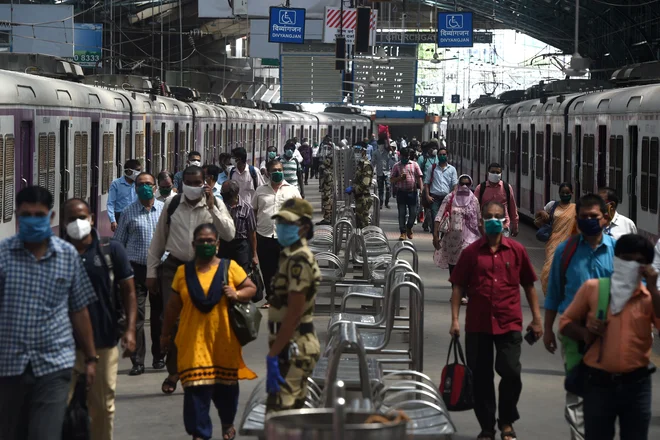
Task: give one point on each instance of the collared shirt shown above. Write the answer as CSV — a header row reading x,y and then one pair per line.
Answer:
x,y
222,178
36,297
162,198
177,183
492,282
383,162
177,237
444,179
370,150
137,226
121,195
587,263
266,203
290,168
244,218
498,194
620,226
626,345
217,189
428,166
411,171
246,185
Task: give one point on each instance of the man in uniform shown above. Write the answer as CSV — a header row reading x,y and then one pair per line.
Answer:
x,y
327,183
294,347
364,175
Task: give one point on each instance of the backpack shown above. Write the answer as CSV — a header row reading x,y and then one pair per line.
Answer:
x,y
115,301
507,190
253,173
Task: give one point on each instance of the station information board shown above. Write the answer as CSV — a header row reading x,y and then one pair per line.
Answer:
x,y
309,78
395,81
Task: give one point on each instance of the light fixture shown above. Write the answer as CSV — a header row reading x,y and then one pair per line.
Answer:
x,y
247,65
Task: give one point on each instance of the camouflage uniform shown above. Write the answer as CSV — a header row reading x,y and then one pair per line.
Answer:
x,y
327,187
364,175
298,272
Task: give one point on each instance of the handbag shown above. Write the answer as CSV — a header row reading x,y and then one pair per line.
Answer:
x,y
245,319
76,419
257,279
456,383
544,232
444,222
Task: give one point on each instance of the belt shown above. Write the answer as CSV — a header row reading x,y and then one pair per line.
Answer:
x,y
303,328
604,378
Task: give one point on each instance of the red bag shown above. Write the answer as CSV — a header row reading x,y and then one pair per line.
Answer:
x,y
456,382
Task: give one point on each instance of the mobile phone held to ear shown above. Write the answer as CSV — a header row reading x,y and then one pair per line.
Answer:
x,y
530,337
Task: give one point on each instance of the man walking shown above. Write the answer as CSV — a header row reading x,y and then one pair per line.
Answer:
x,y
136,229
195,205
45,295
292,168
494,189
578,259
243,248
327,183
361,189
619,224
490,271
247,176
383,162
440,179
122,192
107,265
406,178
194,159
166,188
305,151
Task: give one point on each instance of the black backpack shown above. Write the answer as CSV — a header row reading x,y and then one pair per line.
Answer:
x,y
253,173
115,299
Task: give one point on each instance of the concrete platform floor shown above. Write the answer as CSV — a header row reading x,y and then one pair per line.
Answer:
x,y
143,411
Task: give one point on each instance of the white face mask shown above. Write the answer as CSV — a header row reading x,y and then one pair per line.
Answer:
x,y
196,163
233,161
79,229
494,177
625,280
192,192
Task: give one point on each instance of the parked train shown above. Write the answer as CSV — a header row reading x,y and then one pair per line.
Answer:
x,y
605,138
73,138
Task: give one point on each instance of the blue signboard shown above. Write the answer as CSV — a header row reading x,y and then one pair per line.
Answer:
x,y
88,44
286,25
455,29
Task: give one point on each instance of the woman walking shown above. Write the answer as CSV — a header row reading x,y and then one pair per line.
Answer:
x,y
209,357
561,214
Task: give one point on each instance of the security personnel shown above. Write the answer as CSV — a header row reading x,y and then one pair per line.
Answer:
x,y
294,347
327,183
364,175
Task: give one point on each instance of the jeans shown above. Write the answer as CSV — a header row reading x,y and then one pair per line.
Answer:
x,y
384,189
479,354
406,203
32,408
197,403
435,207
631,403
156,309
315,166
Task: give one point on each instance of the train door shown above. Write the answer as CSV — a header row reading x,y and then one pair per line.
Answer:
x,y
174,167
578,160
64,163
25,152
94,167
148,151
163,151
341,132
532,177
516,161
633,146
546,164
118,161
508,147
602,156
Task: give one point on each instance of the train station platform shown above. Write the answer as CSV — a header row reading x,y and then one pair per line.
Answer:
x,y
143,411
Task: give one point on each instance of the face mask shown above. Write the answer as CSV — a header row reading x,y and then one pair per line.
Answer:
x,y
79,229
442,158
463,189
494,226
34,229
494,177
132,174
165,192
272,155
196,163
205,251
277,176
590,227
288,154
192,192
233,161
565,198
434,153
404,160
287,234
625,280
145,192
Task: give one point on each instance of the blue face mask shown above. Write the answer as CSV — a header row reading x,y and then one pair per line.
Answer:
x,y
34,229
287,234
590,227
493,226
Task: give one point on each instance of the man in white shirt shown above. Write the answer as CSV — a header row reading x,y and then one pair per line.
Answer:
x,y
620,225
247,176
267,201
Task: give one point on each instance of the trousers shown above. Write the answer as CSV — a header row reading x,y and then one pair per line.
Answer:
x,y
479,354
197,404
32,408
435,207
384,189
101,396
406,203
155,312
268,250
167,272
362,208
237,250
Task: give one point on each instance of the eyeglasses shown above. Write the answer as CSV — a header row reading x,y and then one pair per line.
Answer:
x,y
140,185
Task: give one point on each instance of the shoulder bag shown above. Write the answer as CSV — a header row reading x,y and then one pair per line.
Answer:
x,y
456,384
544,232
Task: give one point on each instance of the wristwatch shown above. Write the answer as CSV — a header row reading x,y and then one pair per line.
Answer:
x,y
92,359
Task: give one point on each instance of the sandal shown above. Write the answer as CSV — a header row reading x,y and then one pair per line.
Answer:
x,y
169,386
229,433
483,435
265,305
511,434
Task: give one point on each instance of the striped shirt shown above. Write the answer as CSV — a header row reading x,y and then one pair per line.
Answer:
x,y
290,170
244,219
36,297
411,171
136,229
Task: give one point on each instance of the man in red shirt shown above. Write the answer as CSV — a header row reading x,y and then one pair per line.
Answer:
x,y
491,271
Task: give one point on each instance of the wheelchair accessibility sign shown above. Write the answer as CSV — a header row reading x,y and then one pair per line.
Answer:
x,y
286,25
455,29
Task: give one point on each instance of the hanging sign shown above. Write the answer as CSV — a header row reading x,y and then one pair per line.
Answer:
x,y
286,25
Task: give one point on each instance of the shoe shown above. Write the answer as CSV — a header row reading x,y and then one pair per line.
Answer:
x,y
409,234
158,364
426,229
387,205
464,301
402,237
137,370
381,206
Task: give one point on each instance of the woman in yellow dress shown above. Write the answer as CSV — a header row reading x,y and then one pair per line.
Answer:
x,y
209,358
563,225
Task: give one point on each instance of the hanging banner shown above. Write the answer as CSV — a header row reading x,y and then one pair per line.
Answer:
x,y
333,22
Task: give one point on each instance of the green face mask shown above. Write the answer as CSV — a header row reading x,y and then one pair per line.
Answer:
x,y
145,192
565,197
205,251
165,191
276,176
272,155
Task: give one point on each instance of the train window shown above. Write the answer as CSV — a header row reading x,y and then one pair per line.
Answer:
x,y
588,144
8,184
482,146
616,165
468,144
644,196
106,167
314,139
653,176
155,152
513,153
139,147
556,159
46,161
80,141
127,148
84,164
182,154
524,167
568,160
170,151
538,155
